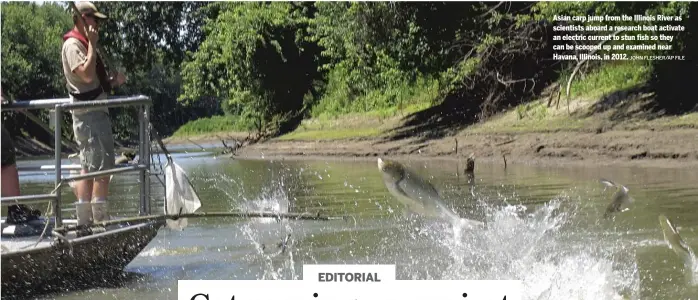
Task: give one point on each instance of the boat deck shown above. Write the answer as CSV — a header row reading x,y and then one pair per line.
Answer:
x,y
25,236
50,266
97,254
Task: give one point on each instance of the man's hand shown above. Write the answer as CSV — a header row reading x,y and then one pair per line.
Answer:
x,y
118,80
92,35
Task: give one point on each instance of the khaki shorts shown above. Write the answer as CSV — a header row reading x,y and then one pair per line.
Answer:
x,y
95,140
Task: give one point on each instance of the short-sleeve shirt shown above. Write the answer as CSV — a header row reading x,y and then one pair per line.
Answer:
x,y
73,55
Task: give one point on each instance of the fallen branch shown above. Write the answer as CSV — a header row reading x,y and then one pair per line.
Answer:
x,y
504,143
229,149
202,148
509,82
553,88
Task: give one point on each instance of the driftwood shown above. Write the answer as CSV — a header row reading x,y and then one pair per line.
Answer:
x,y
230,149
555,90
504,143
247,141
140,219
202,148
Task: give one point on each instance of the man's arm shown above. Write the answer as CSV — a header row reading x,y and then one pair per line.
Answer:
x,y
87,70
83,66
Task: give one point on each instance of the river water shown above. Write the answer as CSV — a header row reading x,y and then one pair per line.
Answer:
x,y
544,226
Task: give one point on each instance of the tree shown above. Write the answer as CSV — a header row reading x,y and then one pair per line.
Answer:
x,y
255,60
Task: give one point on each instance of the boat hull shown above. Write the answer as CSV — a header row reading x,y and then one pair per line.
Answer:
x,y
97,258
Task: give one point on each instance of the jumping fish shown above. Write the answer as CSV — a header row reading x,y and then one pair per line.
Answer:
x,y
470,172
621,199
470,163
676,243
418,195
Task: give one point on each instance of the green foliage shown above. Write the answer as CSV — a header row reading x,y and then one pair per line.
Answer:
x,y
140,41
31,67
255,60
267,65
213,124
381,55
610,77
368,39
143,43
335,101
141,33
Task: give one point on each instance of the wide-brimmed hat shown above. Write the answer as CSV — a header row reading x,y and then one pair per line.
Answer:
x,y
86,7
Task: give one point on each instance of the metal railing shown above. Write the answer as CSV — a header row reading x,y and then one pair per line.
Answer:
x,y
65,104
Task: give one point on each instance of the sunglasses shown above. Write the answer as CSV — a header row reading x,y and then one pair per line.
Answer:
x,y
92,16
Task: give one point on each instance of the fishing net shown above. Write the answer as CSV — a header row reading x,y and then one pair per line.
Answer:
x,y
180,195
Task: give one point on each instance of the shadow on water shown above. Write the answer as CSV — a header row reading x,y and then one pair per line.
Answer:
x,y
543,227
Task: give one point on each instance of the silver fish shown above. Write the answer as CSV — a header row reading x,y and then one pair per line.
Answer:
x,y
621,199
676,243
470,163
418,195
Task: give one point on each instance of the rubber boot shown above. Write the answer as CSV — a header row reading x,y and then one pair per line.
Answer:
x,y
83,212
100,211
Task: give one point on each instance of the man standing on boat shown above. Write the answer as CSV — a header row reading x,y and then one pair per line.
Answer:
x,y
17,213
87,80
10,177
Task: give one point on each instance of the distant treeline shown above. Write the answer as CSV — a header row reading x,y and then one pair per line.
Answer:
x,y
268,65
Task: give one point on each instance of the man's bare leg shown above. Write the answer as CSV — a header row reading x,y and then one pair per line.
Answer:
x,y
84,194
84,188
10,176
10,181
101,187
99,202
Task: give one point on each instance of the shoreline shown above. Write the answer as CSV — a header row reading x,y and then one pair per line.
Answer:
x,y
671,148
662,148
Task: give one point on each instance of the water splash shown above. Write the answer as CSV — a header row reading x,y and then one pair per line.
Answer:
x,y
272,199
277,264
163,251
690,269
528,246
539,245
